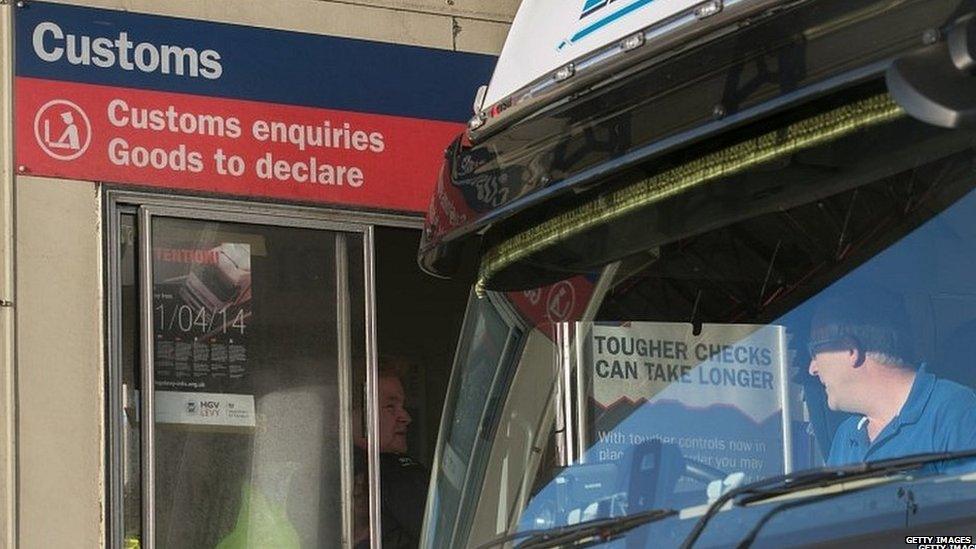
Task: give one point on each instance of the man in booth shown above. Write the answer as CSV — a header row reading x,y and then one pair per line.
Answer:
x,y
403,481
861,350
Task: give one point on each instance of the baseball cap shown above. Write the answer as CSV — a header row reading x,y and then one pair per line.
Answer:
x,y
868,319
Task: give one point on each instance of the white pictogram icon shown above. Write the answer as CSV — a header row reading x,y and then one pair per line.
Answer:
x,y
560,302
62,129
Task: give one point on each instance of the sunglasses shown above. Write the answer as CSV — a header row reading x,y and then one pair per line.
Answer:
x,y
815,347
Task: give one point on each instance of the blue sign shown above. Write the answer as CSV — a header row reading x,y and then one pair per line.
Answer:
x,y
123,49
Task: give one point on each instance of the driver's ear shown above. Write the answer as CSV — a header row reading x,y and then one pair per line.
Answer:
x,y
857,356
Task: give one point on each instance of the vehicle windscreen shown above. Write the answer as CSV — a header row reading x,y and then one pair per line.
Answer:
x,y
813,308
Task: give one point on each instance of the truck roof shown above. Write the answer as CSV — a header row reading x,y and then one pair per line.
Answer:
x,y
547,34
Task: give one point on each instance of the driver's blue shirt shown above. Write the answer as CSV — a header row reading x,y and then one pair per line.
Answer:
x,y
938,416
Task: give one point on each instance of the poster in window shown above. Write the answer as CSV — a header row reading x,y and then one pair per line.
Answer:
x,y
201,313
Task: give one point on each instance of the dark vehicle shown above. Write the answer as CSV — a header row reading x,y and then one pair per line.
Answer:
x,y
723,260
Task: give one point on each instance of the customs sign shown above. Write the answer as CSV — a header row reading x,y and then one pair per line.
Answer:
x,y
165,102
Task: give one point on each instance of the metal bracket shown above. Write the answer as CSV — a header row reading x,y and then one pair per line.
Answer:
x,y
936,84
5,303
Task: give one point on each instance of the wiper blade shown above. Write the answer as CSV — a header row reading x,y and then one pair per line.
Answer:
x,y
604,529
802,480
751,536
827,477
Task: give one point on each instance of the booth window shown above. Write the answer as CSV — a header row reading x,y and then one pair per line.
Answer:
x,y
245,342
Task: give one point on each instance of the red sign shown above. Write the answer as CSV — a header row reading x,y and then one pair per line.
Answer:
x,y
563,301
226,146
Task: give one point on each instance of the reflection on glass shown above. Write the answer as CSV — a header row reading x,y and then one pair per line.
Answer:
x,y
356,300
247,394
829,325
129,360
485,339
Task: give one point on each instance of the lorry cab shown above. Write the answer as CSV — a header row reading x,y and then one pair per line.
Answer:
x,y
721,260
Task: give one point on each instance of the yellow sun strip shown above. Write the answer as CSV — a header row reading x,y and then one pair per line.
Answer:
x,y
807,133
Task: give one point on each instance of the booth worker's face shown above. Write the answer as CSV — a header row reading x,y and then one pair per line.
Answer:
x,y
394,419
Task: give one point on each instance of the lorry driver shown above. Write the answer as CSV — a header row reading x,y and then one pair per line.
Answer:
x,y
861,350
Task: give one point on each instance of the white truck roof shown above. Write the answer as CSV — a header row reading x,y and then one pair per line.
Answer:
x,y
548,34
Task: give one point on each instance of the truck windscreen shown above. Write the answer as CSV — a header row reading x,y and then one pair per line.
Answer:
x,y
814,308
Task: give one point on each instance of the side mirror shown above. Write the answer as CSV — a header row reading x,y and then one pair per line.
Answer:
x,y
937,84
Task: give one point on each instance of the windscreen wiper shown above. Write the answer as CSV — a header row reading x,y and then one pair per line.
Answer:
x,y
802,480
602,529
750,536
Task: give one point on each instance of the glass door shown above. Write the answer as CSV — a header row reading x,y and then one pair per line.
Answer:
x,y
253,333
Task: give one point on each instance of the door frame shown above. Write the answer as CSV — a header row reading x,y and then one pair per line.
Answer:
x,y
145,206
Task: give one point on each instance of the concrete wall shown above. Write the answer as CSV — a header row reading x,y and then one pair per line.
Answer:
x,y
7,383
52,417
60,489
476,26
